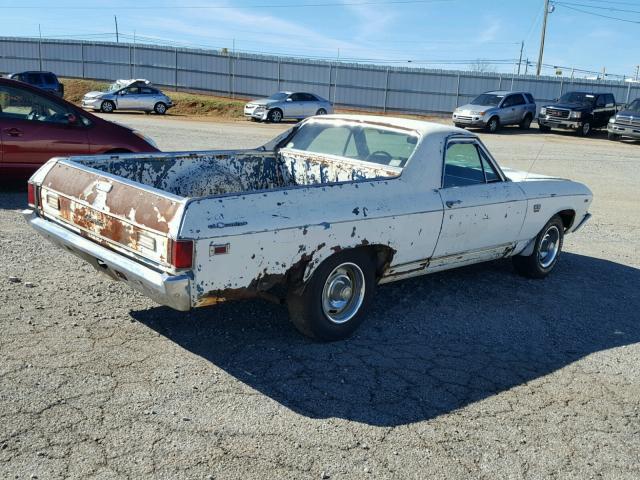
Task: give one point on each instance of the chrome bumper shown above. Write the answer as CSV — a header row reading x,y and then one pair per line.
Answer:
x,y
624,130
584,220
169,290
555,122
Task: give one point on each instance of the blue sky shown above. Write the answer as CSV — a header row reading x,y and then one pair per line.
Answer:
x,y
440,33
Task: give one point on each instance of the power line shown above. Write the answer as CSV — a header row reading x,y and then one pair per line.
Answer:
x,y
598,14
225,7
611,9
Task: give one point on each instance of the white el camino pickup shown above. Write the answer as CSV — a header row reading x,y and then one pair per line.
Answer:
x,y
319,217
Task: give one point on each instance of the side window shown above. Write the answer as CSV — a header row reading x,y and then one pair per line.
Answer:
x,y
309,98
529,98
507,101
49,79
600,102
34,78
320,139
23,105
462,165
490,173
132,90
610,100
517,100
147,91
296,97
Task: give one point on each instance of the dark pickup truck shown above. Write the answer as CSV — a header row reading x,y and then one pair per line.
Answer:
x,y
578,111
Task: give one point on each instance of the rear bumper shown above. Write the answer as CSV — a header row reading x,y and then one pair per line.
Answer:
x,y
624,130
169,290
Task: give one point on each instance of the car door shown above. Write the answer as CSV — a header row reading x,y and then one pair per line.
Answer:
x,y
128,98
310,104
483,212
148,98
508,110
35,128
294,106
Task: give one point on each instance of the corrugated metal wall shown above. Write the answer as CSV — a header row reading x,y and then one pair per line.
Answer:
x,y
398,89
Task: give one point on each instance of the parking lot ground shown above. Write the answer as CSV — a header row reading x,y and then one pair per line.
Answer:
x,y
473,373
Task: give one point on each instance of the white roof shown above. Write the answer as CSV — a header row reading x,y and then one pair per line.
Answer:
x,y
420,126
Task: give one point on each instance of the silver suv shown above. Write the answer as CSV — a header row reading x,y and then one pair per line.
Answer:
x,y
493,110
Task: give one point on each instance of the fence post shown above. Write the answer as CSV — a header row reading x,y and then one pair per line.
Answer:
x,y
500,83
229,72
82,57
511,83
130,64
561,86
175,80
628,93
329,82
278,74
458,92
335,85
40,51
386,91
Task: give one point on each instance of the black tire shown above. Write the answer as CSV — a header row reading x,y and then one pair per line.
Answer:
x,y
544,128
525,124
308,310
459,125
535,265
275,115
107,106
585,129
493,125
321,111
160,108
613,136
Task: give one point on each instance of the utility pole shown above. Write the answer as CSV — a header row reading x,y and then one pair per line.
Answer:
x,y
115,19
526,66
40,46
543,34
520,60
637,72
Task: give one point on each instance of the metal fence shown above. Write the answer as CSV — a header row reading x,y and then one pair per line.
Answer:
x,y
394,89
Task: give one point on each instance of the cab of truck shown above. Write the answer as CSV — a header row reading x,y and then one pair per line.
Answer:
x,y
580,112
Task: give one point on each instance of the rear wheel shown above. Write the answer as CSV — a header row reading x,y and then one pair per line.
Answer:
x,y
333,302
493,125
613,136
275,115
160,108
546,250
525,124
321,111
107,106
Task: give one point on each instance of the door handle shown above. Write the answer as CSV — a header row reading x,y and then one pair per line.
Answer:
x,y
13,132
451,203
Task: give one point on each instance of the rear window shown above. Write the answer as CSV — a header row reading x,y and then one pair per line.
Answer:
x,y
383,146
529,98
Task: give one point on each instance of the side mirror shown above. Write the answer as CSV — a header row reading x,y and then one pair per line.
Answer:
x,y
289,99
122,92
72,119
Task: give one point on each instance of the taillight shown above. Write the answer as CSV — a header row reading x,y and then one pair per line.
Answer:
x,y
181,253
31,195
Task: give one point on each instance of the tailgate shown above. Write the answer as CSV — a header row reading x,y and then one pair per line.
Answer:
x,y
117,213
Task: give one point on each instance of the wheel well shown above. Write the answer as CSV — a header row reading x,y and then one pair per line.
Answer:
x,y
567,216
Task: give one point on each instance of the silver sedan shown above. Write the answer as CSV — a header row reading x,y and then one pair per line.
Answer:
x,y
282,105
128,95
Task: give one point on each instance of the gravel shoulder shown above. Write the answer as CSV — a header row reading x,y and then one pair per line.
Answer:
x,y
474,373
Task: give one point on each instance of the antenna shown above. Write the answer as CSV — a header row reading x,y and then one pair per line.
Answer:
x,y
534,161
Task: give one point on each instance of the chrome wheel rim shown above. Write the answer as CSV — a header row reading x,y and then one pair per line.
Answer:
x,y
549,247
586,128
321,112
493,125
343,293
275,116
160,108
107,107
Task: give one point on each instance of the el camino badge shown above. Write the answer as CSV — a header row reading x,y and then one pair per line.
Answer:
x,y
94,219
536,207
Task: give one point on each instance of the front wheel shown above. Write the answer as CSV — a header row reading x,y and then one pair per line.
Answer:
x,y
613,136
160,108
107,106
546,250
584,129
321,111
333,302
275,115
544,128
493,125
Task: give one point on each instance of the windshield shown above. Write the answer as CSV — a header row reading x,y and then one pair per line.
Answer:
x,y
384,146
279,96
634,106
489,99
577,97
114,86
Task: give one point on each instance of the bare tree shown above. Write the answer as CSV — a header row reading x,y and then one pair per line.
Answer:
x,y
482,66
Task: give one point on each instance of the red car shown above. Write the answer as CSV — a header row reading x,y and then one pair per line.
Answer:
x,y
36,125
